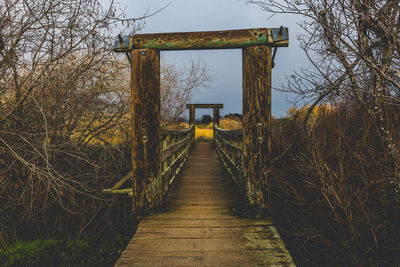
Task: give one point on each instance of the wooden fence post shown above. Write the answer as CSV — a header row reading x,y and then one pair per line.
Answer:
x,y
257,123
192,114
216,115
145,111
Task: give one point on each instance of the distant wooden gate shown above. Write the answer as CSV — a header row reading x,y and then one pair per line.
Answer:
x,y
192,111
256,46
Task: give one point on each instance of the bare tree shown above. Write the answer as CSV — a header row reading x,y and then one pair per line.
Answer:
x,y
178,84
62,90
60,87
354,49
353,46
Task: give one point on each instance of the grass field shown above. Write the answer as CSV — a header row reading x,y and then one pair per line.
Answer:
x,y
206,134
205,131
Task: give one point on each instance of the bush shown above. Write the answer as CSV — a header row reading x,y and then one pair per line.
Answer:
x,y
230,123
82,212
206,119
334,193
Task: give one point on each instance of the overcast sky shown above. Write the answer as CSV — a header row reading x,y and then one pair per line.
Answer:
x,y
224,65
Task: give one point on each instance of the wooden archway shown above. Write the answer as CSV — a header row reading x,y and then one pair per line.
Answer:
x,y
192,111
143,51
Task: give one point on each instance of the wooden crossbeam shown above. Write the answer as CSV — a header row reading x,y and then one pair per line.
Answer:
x,y
205,105
204,40
215,107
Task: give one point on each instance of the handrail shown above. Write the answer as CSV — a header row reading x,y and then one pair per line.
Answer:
x,y
175,148
229,150
229,132
183,131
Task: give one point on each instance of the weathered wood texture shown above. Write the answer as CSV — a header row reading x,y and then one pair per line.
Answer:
x,y
216,116
199,229
175,150
205,105
192,111
116,189
192,114
205,40
257,122
176,147
229,149
145,110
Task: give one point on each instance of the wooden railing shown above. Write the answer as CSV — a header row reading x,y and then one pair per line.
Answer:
x,y
175,149
229,148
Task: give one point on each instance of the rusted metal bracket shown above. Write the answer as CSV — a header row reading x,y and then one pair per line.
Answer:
x,y
121,43
277,35
273,58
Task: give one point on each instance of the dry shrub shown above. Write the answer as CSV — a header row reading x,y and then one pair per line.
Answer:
x,y
335,192
37,206
62,95
230,123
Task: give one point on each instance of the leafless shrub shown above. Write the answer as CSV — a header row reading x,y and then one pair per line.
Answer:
x,y
333,191
336,183
353,47
64,116
60,89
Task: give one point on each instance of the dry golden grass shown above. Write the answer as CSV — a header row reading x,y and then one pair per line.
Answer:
x,y
206,134
206,131
117,135
174,126
114,135
230,124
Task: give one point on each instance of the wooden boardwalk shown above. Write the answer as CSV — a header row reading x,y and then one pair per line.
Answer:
x,y
199,228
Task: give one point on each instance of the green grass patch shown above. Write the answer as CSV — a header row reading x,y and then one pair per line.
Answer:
x,y
51,252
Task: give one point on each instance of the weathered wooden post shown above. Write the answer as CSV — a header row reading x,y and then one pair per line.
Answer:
x,y
192,114
216,115
257,122
145,110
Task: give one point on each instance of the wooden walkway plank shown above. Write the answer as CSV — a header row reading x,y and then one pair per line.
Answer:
x,y
199,228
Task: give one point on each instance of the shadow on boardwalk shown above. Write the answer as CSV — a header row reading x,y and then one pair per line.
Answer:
x,y
199,229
